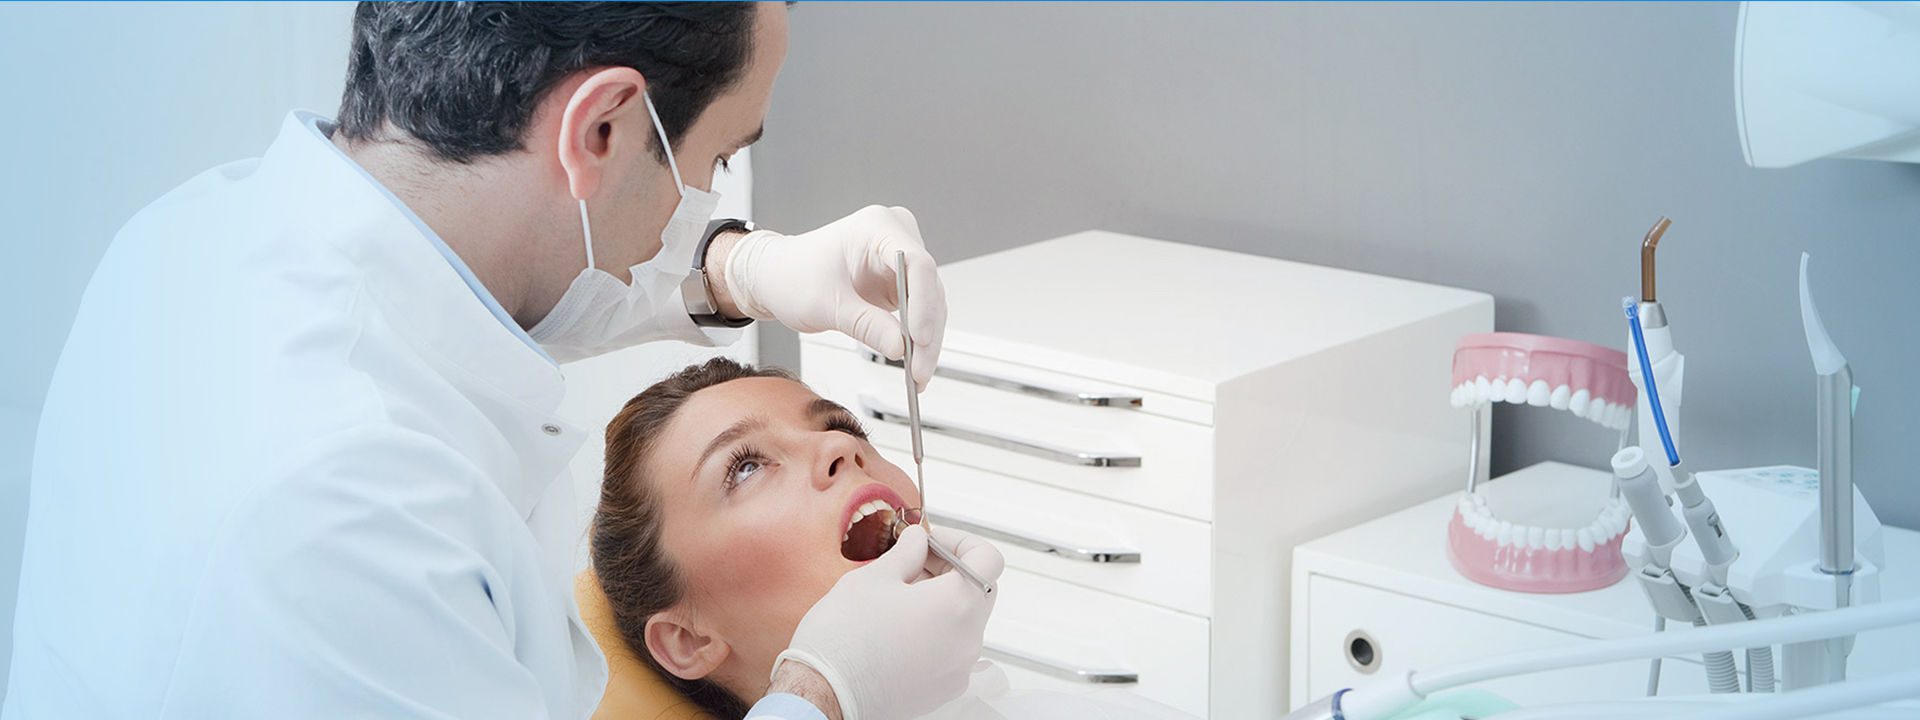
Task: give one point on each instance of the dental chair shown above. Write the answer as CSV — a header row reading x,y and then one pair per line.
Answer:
x,y
634,691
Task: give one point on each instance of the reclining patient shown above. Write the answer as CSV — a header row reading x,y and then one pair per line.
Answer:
x,y
734,498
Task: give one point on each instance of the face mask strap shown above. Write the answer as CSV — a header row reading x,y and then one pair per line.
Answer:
x,y
678,185
586,228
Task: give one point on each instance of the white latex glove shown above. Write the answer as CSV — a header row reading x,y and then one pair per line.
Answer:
x,y
841,277
899,637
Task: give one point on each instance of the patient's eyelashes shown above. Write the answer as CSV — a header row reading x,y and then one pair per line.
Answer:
x,y
745,463
845,423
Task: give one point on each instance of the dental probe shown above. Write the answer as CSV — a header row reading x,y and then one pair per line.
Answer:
x,y
1647,246
913,426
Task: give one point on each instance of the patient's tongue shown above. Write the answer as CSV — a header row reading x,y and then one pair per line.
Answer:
x,y
869,538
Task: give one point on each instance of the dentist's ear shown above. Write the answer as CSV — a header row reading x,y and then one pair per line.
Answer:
x,y
593,126
681,647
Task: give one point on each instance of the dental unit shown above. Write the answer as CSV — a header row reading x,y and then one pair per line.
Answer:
x,y
1525,539
1647,488
1805,575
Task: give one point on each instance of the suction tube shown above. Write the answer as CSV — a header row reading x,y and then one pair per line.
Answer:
x,y
1646,375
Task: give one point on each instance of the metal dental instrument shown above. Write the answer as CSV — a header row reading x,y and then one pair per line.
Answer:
x,y
1647,246
913,425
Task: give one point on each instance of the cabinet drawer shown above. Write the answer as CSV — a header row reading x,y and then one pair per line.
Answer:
x,y
1061,631
1403,633
1146,555
1123,454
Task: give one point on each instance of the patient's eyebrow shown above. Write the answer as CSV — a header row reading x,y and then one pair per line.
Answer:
x,y
822,407
732,434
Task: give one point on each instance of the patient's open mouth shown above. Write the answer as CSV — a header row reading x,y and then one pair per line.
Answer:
x,y
871,533
873,523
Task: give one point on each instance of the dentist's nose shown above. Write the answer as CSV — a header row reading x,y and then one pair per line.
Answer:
x,y
840,456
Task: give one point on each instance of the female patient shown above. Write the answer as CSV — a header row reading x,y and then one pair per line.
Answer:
x,y
734,498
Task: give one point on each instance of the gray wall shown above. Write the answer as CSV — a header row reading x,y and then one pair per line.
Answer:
x,y
1521,150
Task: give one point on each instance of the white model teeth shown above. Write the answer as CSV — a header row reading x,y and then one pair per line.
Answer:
x,y
1482,391
1609,524
861,513
1538,393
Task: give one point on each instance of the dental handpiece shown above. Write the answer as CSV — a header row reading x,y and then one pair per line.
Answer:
x,y
1715,547
1641,487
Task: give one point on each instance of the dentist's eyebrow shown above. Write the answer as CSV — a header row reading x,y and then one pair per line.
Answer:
x,y
752,138
727,437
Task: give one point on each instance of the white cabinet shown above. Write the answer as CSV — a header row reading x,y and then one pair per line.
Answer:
x,y
1148,428
1380,598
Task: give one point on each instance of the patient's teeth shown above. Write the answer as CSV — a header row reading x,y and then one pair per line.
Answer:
x,y
1538,393
1578,403
1560,397
1516,391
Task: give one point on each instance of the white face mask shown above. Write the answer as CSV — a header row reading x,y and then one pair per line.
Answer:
x,y
600,314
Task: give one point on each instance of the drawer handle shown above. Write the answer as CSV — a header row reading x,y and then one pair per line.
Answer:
x,y
1070,551
1071,456
1056,668
1057,394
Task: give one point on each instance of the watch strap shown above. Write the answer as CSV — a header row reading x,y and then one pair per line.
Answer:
x,y
697,290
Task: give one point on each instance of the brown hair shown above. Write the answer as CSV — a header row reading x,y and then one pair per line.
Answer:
x,y
635,572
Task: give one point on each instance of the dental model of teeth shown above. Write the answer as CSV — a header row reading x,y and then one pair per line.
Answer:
x,y
1533,558
1585,379
1543,542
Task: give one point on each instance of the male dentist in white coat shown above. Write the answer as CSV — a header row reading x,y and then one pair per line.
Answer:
x,y
300,457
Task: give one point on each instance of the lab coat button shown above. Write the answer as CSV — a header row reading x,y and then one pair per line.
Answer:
x,y
550,429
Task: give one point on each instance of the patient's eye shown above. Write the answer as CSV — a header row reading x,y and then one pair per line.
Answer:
x,y
744,464
846,424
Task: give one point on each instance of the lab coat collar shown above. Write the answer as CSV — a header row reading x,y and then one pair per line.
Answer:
x,y
424,295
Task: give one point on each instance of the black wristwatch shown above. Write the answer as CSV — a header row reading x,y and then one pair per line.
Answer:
x,y
697,292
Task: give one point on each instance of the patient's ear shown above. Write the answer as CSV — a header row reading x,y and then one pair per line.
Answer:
x,y
682,647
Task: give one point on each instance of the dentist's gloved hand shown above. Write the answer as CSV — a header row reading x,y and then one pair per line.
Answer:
x,y
899,637
841,277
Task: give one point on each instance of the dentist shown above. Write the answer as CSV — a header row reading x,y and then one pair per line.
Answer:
x,y
300,456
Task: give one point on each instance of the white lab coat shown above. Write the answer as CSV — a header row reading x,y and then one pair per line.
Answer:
x,y
293,464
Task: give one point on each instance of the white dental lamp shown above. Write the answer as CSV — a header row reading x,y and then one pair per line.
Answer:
x,y
1827,79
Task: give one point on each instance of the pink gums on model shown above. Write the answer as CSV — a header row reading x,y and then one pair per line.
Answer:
x,y
1523,568
1586,379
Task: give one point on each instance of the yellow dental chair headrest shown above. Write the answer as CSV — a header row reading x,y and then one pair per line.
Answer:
x,y
634,691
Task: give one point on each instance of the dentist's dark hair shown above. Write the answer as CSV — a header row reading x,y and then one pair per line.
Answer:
x,y
629,558
463,78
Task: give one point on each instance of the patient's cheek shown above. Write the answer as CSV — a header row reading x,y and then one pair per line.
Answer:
x,y
771,559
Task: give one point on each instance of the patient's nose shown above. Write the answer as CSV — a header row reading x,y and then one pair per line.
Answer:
x,y
841,456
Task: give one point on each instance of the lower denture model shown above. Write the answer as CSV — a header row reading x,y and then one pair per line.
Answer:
x,y
1551,543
